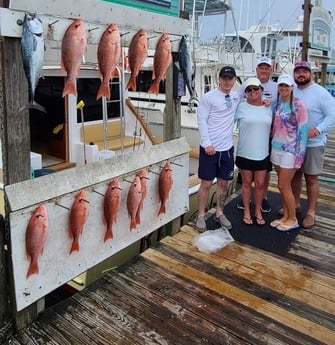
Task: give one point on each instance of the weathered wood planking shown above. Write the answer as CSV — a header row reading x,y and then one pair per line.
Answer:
x,y
176,295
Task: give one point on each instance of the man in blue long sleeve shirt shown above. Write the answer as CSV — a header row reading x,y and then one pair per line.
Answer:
x,y
321,117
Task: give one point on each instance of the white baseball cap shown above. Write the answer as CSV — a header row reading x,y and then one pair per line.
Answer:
x,y
252,82
285,79
266,60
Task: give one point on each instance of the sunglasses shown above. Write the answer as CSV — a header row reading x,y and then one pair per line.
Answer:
x,y
255,88
229,103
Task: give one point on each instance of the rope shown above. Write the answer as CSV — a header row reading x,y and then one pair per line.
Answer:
x,y
327,179
5,331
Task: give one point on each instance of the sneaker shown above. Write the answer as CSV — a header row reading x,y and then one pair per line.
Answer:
x,y
223,221
200,224
266,208
240,205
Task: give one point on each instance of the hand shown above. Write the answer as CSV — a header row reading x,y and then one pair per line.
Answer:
x,y
266,102
313,132
210,150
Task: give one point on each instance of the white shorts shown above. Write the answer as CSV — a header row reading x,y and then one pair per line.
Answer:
x,y
282,159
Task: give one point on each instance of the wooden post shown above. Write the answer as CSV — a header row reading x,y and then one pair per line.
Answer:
x,y
305,33
15,138
172,111
5,314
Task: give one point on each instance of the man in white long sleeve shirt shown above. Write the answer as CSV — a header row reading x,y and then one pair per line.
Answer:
x,y
216,123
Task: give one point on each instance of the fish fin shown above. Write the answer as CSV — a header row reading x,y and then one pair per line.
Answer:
x,y
131,84
33,268
162,209
75,246
154,88
33,105
70,87
104,90
108,235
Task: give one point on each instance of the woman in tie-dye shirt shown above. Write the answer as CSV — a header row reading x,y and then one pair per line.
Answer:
x,y
288,147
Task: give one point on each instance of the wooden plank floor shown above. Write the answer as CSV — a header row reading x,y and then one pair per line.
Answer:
x,y
174,294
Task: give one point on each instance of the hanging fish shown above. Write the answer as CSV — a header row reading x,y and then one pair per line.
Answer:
x,y
109,53
137,53
112,202
32,51
187,67
78,217
162,60
36,234
164,185
134,199
74,45
143,175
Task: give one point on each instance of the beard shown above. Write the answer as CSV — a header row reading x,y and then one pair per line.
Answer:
x,y
304,81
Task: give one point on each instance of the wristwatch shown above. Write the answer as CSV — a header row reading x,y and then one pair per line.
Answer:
x,y
316,133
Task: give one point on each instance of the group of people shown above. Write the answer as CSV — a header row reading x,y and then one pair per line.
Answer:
x,y
281,125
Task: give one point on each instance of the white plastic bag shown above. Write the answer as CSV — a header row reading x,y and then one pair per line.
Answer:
x,y
212,240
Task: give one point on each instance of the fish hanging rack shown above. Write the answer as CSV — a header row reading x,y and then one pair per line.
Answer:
x,y
54,28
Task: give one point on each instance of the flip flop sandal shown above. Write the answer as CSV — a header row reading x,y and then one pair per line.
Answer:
x,y
247,221
283,227
260,221
275,223
308,222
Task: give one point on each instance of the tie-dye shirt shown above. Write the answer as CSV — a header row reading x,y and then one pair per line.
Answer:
x,y
290,130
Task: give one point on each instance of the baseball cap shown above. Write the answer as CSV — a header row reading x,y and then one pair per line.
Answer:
x,y
285,79
227,71
302,64
266,60
252,82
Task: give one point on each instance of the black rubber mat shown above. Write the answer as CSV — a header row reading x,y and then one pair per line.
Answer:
x,y
263,237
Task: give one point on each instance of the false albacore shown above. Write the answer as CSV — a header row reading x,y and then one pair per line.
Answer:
x,y
32,50
187,67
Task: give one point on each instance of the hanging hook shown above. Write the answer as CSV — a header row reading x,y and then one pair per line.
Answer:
x,y
89,30
126,33
53,23
60,205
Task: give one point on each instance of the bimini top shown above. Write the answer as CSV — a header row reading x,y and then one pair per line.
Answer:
x,y
212,6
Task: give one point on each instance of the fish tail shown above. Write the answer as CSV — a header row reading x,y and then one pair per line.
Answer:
x,y
33,105
162,208
104,90
75,246
33,268
154,88
132,83
138,217
108,234
132,224
70,87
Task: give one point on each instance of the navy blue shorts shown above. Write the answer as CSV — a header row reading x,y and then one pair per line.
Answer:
x,y
220,165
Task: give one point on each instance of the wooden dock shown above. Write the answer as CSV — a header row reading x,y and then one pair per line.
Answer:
x,y
174,294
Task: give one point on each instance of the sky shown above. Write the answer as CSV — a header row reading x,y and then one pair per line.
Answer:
x,y
282,12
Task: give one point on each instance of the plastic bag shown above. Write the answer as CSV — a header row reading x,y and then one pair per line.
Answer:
x,y
212,240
